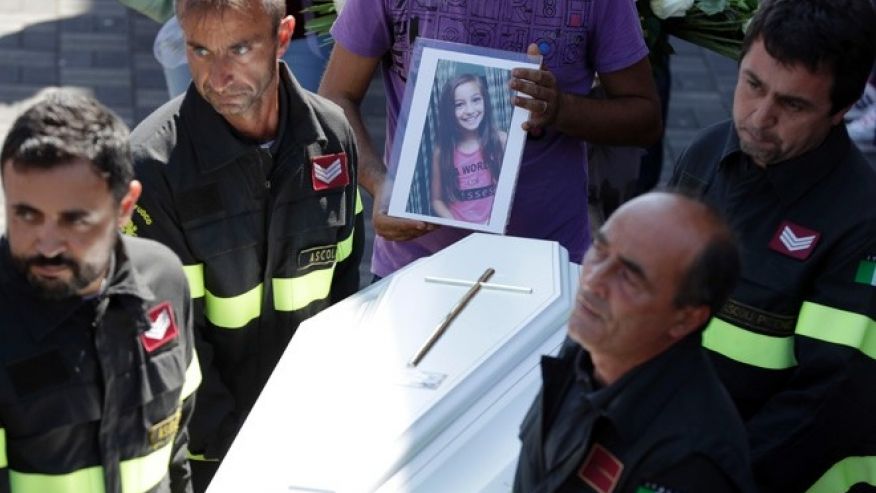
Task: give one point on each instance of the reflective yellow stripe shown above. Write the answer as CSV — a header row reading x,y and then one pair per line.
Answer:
x,y
137,475
89,479
298,292
359,207
234,312
837,326
744,346
195,275
2,448
345,247
846,473
193,377
143,473
201,458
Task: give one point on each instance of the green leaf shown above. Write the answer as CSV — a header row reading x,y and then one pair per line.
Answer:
x,y
711,7
320,9
320,23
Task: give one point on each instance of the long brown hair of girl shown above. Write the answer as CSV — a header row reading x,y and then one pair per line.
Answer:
x,y
449,133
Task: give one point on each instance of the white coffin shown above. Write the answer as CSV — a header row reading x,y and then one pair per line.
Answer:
x,y
343,412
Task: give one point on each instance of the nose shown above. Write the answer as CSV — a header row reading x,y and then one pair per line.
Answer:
x,y
764,115
50,242
593,277
220,74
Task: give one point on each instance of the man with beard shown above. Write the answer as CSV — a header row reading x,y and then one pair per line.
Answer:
x,y
794,343
97,361
632,403
251,180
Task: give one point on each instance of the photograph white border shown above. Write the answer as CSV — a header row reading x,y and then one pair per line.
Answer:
x,y
412,127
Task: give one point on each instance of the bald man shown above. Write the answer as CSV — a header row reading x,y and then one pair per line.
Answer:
x,y
632,403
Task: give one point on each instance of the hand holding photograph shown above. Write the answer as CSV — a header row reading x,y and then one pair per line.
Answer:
x,y
459,139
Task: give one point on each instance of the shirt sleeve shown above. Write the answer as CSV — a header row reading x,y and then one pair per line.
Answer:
x,y
363,27
214,422
825,413
180,473
617,40
350,248
346,278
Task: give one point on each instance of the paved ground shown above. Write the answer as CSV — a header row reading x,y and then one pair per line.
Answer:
x,y
106,49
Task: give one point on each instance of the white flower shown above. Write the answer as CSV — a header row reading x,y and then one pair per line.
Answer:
x,y
665,9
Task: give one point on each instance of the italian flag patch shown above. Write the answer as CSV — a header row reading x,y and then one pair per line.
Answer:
x,y
866,273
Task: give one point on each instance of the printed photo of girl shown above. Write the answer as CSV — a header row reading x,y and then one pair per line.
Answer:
x,y
467,156
463,143
459,138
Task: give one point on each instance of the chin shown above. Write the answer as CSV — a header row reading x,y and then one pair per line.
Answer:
x,y
52,289
580,331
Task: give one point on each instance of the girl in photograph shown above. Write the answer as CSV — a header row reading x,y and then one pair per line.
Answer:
x,y
468,152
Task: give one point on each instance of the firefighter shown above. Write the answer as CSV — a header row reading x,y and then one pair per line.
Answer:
x,y
632,404
97,360
251,180
793,343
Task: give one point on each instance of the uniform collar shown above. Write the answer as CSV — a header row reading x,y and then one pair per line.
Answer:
x,y
794,177
641,393
125,279
572,371
216,143
43,316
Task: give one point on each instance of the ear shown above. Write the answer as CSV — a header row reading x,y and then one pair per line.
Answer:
x,y
688,320
126,205
284,34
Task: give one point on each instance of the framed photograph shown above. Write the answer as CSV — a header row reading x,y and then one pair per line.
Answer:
x,y
459,140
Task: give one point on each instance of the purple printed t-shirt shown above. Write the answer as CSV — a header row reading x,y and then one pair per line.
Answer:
x,y
577,39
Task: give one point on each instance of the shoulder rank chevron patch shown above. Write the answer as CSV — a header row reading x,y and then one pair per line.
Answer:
x,y
794,240
162,327
330,171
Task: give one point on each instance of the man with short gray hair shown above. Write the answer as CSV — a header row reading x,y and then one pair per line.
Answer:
x,y
251,180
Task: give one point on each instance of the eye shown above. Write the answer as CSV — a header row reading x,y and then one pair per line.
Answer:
x,y
27,216
76,221
241,50
794,106
631,279
752,83
200,52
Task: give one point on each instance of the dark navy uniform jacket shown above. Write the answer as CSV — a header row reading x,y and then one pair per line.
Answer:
x,y
268,235
794,345
667,425
95,394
